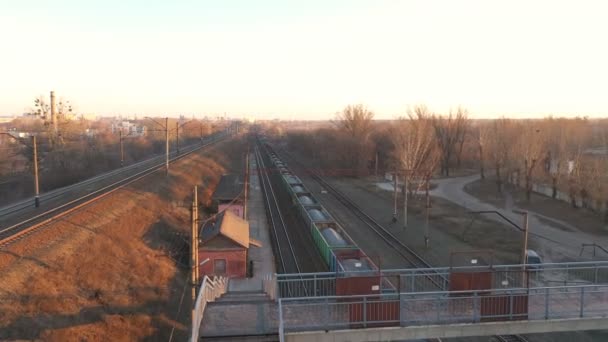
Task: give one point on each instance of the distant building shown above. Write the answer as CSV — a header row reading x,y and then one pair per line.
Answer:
x,y
129,128
224,247
228,195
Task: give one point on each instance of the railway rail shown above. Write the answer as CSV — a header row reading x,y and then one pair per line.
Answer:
x,y
285,250
402,249
57,193
19,230
407,253
511,338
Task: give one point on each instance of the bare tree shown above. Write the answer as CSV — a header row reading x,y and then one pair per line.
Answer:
x,y
530,149
499,146
450,131
416,151
483,136
355,122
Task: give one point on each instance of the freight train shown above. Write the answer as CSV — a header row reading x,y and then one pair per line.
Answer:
x,y
356,273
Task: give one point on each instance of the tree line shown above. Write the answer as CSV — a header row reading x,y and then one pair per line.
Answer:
x,y
80,148
568,155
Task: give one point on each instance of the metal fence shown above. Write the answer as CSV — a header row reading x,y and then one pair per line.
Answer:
x,y
306,284
424,308
437,279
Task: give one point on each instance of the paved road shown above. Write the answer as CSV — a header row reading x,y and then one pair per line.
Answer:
x,y
563,244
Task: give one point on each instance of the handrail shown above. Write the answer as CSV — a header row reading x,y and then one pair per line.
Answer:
x,y
209,290
550,266
443,293
269,284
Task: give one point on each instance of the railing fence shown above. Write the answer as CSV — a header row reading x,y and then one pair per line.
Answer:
x,y
209,291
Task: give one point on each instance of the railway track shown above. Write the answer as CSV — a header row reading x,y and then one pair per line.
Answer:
x,y
20,230
284,246
511,338
402,249
407,253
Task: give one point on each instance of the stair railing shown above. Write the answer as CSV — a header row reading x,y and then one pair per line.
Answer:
x,y
269,284
209,291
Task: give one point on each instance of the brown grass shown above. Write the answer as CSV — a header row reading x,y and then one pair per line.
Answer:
x,y
110,272
584,219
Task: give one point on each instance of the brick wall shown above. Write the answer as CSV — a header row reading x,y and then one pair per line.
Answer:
x,y
236,262
237,209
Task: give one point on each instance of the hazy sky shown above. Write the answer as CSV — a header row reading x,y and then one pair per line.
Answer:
x,y
306,59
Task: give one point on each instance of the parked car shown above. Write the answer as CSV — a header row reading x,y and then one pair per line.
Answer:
x,y
534,260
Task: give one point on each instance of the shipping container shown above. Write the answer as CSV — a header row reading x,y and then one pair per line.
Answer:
x,y
353,262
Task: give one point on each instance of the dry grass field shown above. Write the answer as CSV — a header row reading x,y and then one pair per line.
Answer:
x,y
114,270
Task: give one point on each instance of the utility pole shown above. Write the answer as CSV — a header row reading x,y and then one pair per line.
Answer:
x,y
201,126
395,197
428,209
246,183
167,144
376,172
194,251
122,151
405,200
36,188
177,136
194,243
524,252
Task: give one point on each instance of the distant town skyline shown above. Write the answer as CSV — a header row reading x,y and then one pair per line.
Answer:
x,y
306,59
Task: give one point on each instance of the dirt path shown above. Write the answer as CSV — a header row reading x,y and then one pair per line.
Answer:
x,y
558,240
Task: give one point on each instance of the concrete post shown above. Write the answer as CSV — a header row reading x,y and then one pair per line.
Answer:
x,y
246,190
196,238
122,151
194,249
376,168
525,250
427,216
177,137
36,184
167,144
405,200
395,196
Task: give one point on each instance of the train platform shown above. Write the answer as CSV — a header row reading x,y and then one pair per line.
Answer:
x,y
259,229
245,309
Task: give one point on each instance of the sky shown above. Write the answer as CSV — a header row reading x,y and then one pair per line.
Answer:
x,y
306,59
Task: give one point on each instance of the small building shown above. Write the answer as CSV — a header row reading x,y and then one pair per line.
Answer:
x,y
229,195
224,246
129,128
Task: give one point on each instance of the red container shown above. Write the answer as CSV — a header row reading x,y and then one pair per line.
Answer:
x,y
509,307
480,281
378,313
